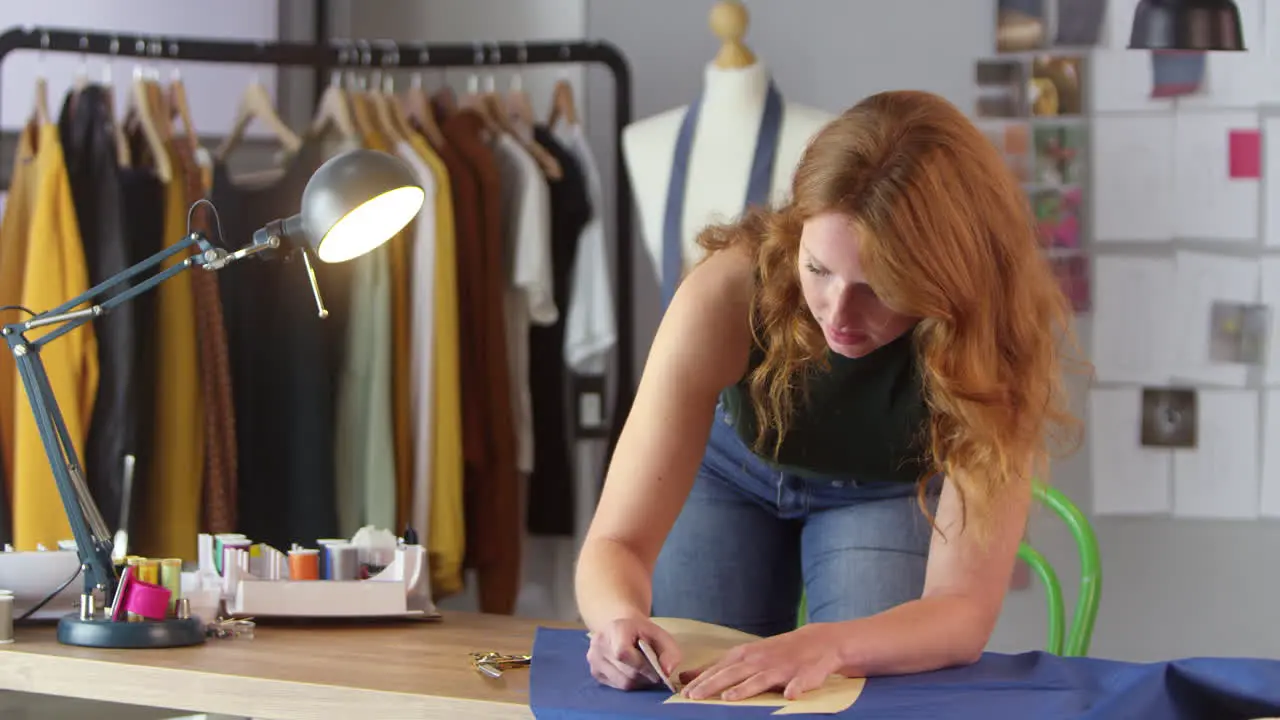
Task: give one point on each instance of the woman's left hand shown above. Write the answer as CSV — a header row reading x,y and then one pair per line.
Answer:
x,y
794,662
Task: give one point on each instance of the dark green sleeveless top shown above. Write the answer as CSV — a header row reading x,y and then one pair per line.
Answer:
x,y
864,419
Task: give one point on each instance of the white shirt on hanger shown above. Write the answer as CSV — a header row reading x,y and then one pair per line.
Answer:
x,y
590,327
526,233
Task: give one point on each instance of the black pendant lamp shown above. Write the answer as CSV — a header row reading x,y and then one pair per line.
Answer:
x,y
1186,25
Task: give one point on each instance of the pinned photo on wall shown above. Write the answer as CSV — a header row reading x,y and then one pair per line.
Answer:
x,y
1057,212
1175,73
1013,140
1056,87
1238,332
1060,154
1079,22
1021,25
1072,273
1169,418
1002,88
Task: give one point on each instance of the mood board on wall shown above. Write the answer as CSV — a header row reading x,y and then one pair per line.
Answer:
x,y
1184,418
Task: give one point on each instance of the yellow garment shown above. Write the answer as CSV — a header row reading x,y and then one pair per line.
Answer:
x,y
15,228
55,272
446,537
170,508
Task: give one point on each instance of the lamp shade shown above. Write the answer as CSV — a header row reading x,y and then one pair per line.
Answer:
x,y
355,202
1186,25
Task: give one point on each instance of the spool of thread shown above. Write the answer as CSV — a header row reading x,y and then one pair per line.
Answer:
x,y
304,564
218,541
149,571
324,544
6,617
145,601
230,544
171,579
342,562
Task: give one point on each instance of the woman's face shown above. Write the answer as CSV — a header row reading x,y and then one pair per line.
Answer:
x,y
854,321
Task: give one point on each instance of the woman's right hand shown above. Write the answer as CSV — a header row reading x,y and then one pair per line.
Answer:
x,y
616,660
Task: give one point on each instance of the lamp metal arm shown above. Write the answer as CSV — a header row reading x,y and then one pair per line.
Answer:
x,y
92,537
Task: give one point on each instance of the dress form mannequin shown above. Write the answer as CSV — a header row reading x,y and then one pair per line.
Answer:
x,y
733,99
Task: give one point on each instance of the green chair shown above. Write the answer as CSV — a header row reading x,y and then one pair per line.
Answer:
x,y
1086,610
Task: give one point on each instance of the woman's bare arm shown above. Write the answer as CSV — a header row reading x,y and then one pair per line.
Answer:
x,y
700,348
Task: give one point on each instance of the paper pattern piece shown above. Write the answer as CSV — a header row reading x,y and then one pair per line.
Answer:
x,y
1271,189
1238,332
1269,494
1219,478
1128,479
1133,325
703,643
1169,417
1202,280
1175,73
1245,148
1133,179
1210,206
1269,269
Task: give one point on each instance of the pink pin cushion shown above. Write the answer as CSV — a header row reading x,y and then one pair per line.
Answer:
x,y
140,598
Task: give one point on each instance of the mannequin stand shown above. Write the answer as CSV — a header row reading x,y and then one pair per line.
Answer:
x,y
104,633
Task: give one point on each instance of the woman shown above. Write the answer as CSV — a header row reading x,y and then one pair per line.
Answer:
x,y
848,396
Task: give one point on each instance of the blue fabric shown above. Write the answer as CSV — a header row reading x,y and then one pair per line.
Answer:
x,y
1030,685
757,185
750,535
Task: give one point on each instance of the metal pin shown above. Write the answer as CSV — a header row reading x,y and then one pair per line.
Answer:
x,y
315,286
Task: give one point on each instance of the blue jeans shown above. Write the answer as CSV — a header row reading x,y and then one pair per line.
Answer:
x,y
749,535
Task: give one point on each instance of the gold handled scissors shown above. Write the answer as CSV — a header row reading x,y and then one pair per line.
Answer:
x,y
493,663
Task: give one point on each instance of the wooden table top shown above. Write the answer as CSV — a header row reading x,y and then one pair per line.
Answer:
x,y
408,669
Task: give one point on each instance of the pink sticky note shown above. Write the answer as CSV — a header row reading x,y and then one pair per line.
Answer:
x,y
1245,148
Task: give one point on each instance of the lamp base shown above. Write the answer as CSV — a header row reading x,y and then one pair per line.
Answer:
x,y
102,633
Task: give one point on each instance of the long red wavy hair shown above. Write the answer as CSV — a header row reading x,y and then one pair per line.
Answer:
x,y
948,237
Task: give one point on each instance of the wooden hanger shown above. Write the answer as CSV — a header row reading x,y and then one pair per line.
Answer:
x,y
40,110
729,23
563,106
519,106
178,105
142,111
256,103
546,161
417,106
334,110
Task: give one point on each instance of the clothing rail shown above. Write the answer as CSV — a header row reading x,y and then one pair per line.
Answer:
x,y
385,55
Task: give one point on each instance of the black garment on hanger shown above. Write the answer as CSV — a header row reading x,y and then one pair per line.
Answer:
x,y
142,203
85,126
551,485
281,373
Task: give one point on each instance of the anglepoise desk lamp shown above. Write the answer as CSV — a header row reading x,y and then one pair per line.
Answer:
x,y
353,203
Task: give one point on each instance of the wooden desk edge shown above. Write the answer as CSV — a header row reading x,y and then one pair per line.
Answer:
x,y
195,691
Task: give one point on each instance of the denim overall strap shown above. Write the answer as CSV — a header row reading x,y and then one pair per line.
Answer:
x,y
757,186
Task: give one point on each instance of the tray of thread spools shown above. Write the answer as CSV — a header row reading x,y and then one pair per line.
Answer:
x,y
372,574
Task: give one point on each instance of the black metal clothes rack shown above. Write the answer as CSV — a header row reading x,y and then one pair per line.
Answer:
x,y
373,54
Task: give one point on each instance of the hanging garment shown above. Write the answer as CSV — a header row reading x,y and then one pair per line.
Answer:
x,y
219,422
142,199
15,233
447,538
89,147
591,326
758,183
551,504
364,451
492,489
169,513
437,507
281,379
54,272
528,297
